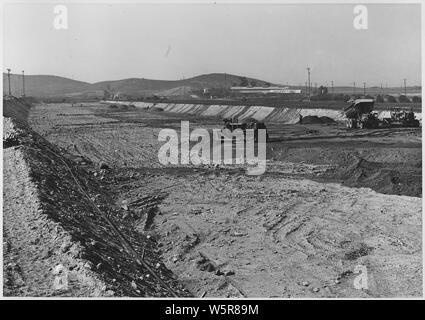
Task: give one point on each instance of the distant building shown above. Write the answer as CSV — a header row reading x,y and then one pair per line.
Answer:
x,y
264,90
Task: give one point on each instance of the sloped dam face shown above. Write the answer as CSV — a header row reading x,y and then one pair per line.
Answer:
x,y
262,113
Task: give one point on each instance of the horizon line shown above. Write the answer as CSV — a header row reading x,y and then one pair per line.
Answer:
x,y
223,73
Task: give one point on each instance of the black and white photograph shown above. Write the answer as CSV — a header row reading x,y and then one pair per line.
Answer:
x,y
212,150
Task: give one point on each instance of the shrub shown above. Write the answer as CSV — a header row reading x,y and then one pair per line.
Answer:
x,y
416,99
403,98
390,99
379,98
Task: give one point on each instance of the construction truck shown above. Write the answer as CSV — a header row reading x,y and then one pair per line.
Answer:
x,y
232,124
359,114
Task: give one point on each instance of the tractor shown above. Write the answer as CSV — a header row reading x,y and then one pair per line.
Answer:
x,y
402,118
232,124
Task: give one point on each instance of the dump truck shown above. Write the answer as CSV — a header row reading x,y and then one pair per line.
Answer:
x,y
232,124
359,114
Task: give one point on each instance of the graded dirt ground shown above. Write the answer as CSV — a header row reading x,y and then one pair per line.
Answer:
x,y
299,230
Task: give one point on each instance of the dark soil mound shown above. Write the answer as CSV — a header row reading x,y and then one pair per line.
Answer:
x,y
17,108
317,120
122,107
384,178
325,119
311,120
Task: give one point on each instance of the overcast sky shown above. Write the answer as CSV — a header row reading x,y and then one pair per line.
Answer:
x,y
270,42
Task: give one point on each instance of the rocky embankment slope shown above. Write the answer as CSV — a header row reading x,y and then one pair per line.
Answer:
x,y
62,236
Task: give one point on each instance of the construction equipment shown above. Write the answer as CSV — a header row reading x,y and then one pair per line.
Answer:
x,y
232,124
402,118
359,114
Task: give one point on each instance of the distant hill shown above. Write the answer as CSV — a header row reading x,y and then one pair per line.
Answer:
x,y
137,86
55,86
43,85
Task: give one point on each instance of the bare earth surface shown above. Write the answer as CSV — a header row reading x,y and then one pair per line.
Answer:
x,y
32,267
293,232
61,233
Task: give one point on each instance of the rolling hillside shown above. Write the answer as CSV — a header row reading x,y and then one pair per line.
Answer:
x,y
54,86
44,85
137,86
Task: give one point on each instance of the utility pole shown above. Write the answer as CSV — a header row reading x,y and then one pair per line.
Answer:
x,y
8,80
23,83
354,83
364,88
309,84
332,84
225,83
184,89
405,91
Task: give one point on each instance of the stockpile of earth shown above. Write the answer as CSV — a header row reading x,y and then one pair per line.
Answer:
x,y
317,120
326,119
121,107
63,236
384,178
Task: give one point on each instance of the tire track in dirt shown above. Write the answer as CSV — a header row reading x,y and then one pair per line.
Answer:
x,y
274,232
